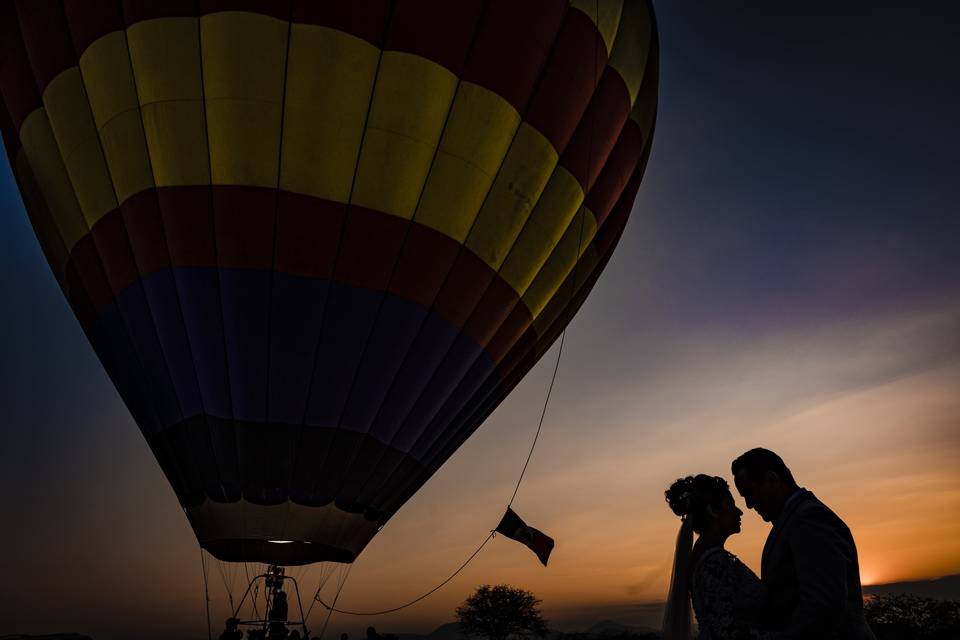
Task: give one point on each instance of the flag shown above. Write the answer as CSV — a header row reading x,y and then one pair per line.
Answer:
x,y
512,526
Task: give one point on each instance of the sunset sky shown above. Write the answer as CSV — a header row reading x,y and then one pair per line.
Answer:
x,y
790,278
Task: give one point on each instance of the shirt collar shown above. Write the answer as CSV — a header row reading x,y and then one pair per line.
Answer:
x,y
793,496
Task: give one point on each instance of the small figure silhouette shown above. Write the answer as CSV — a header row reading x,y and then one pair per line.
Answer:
x,y
230,631
278,617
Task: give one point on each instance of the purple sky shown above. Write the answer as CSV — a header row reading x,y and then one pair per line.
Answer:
x,y
789,278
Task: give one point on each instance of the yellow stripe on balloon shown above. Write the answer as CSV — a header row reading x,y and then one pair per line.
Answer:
x,y
43,224
523,175
165,53
330,77
112,92
475,141
46,164
243,70
631,48
410,104
605,14
563,259
73,128
645,109
556,208
558,302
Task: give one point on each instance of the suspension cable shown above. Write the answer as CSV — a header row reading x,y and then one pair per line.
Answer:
x,y
206,594
553,378
415,600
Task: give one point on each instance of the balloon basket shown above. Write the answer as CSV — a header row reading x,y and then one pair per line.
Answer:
x,y
276,623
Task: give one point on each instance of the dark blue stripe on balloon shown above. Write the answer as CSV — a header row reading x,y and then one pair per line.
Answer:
x,y
245,296
126,328
295,323
350,314
199,290
397,326
426,354
461,368
160,289
343,356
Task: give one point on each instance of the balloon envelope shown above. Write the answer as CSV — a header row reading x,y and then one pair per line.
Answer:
x,y
315,244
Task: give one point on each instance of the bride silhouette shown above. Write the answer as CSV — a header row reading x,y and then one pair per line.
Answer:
x,y
727,596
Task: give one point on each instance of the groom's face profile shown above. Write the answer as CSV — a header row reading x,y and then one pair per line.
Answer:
x,y
762,495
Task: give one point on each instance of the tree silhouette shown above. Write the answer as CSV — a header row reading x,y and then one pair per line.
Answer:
x,y
502,612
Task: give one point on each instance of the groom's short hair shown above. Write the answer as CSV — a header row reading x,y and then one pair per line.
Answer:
x,y
757,462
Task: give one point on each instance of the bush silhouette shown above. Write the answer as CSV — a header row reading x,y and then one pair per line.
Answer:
x,y
906,617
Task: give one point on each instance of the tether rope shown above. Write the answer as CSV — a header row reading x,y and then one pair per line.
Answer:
x,y
331,608
206,594
227,582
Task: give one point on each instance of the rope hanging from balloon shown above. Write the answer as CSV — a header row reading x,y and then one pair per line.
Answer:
x,y
331,608
206,593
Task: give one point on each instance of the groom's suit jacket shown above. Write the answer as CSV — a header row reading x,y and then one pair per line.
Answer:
x,y
811,574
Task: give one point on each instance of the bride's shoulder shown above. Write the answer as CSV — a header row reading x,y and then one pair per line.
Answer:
x,y
713,559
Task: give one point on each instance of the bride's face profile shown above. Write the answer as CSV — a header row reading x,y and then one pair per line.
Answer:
x,y
725,517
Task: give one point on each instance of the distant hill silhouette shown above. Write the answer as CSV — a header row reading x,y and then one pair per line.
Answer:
x,y
945,588
598,630
448,631
55,636
614,628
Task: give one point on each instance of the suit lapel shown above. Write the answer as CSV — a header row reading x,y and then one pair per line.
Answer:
x,y
778,527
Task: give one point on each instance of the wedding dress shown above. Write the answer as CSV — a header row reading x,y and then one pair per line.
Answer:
x,y
728,598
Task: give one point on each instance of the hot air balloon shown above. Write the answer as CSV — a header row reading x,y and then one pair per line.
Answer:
x,y
315,244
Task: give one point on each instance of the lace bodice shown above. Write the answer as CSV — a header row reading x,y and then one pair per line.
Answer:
x,y
728,597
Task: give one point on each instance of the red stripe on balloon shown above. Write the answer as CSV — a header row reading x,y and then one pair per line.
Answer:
x,y
438,30
512,45
620,165
174,227
89,21
599,129
365,19
48,42
572,73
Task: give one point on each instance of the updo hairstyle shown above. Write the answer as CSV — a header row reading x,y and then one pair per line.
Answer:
x,y
689,497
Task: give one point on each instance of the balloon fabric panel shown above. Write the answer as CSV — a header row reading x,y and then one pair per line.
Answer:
x,y
315,247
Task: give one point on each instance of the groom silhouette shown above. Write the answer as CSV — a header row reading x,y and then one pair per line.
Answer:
x,y
809,565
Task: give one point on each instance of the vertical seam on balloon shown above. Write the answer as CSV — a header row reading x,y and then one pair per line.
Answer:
x,y
330,288
480,354
477,359
463,247
173,276
223,333
484,405
583,219
79,210
386,292
469,424
126,235
117,200
493,397
273,259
